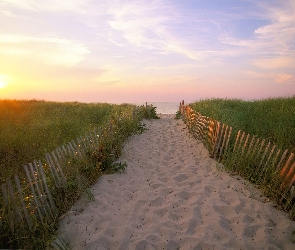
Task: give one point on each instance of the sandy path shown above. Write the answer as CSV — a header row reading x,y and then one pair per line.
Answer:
x,y
173,197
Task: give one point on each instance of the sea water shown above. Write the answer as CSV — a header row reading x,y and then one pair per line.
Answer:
x,y
163,107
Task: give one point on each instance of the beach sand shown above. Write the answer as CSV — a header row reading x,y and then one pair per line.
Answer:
x,y
174,196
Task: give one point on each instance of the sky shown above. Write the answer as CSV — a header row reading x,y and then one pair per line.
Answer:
x,y
149,50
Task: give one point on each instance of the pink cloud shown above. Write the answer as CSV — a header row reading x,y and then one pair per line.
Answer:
x,y
284,78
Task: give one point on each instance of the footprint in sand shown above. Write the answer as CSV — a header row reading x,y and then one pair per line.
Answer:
x,y
180,178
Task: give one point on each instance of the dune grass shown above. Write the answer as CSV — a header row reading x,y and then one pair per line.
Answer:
x,y
29,128
267,130
32,128
272,119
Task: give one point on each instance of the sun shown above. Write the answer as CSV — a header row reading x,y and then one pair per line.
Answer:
x,y
2,84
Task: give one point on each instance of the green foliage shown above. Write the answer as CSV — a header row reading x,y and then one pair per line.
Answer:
x,y
28,129
270,126
147,112
118,167
178,115
272,119
141,127
64,122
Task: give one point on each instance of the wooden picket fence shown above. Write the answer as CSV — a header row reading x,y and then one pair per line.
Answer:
x,y
29,200
258,160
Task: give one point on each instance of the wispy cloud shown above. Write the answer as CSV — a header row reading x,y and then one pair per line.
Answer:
x,y
276,39
276,62
285,78
51,50
149,25
54,5
281,29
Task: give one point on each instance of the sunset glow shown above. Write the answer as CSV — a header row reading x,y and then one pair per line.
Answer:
x,y
135,51
2,84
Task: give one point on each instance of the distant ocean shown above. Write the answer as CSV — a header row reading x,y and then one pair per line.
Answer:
x,y
163,107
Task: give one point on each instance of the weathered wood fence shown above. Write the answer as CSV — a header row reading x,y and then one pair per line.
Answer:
x,y
29,199
257,160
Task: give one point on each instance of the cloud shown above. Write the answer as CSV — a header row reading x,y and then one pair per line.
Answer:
x,y
281,29
53,5
52,50
146,25
275,62
285,78
6,13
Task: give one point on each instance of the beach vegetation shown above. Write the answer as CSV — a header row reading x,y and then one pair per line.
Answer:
x,y
272,119
261,145
30,129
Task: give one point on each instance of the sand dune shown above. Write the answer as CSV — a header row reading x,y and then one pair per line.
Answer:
x,y
172,196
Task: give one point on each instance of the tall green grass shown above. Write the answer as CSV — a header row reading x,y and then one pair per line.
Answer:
x,y
29,128
247,153
272,119
27,122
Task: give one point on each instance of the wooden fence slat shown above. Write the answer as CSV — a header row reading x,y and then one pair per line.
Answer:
x,y
223,143
76,148
270,154
12,196
263,155
276,158
284,170
220,139
291,184
83,144
244,148
42,190
34,194
258,152
79,144
87,141
59,166
62,154
53,170
289,176
24,208
96,135
59,156
250,146
41,193
227,141
9,218
66,153
264,165
70,151
241,140
51,202
16,216
254,149
91,138
282,159
245,143
215,135
236,141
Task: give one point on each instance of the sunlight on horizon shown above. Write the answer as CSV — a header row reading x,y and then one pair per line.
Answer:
x,y
2,85
3,82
